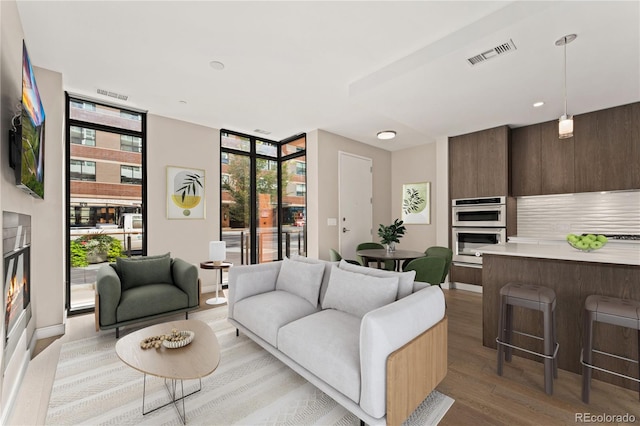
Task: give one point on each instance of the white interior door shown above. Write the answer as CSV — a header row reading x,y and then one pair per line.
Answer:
x,y
355,184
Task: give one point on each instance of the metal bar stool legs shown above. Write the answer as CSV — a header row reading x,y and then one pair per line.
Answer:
x,y
536,298
609,310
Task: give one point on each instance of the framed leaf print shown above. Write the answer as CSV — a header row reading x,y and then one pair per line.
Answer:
x,y
416,203
185,193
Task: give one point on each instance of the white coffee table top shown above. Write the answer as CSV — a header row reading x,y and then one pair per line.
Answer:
x,y
193,361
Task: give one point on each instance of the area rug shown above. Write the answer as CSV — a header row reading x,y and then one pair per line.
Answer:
x,y
250,387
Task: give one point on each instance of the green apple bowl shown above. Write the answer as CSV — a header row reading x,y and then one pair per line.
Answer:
x,y
586,243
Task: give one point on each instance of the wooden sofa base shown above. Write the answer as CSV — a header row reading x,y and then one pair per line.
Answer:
x,y
414,370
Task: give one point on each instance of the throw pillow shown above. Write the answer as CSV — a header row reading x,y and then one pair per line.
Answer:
x,y
301,278
135,272
357,294
405,279
327,270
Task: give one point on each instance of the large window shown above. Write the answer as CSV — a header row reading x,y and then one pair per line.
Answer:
x,y
263,197
105,185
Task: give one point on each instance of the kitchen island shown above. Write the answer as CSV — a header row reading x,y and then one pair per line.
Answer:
x,y
611,271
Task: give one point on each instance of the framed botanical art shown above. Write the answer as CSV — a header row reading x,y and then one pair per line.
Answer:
x,y
185,193
416,203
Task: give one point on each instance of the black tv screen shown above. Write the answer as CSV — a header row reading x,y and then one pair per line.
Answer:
x,y
31,177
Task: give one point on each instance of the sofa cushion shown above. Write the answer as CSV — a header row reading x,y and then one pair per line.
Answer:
x,y
151,299
301,278
145,270
327,344
358,294
405,279
325,276
265,313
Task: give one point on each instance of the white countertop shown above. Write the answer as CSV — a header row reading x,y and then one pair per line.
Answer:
x,y
624,255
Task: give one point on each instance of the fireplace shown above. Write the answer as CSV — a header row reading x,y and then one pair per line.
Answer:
x,y
16,247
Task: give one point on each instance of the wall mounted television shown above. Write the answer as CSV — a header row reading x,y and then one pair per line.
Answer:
x,y
27,140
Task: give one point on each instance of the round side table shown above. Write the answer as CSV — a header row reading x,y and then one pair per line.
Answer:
x,y
209,265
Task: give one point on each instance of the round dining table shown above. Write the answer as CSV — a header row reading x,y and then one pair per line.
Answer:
x,y
380,255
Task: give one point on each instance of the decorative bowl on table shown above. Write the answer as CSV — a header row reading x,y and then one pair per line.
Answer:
x,y
587,242
178,339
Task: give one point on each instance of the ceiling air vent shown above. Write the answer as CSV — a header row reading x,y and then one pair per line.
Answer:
x,y
492,53
263,132
113,94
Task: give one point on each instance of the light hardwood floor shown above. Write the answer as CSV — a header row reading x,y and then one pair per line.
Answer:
x,y
481,396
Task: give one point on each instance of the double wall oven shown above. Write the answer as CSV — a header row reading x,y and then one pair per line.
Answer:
x,y
476,222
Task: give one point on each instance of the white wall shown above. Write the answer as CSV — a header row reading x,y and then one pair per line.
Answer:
x,y
177,143
322,175
47,242
415,165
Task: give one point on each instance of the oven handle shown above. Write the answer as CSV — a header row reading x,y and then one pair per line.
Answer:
x,y
468,265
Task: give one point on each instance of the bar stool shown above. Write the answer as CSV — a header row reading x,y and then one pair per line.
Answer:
x,y
608,310
538,298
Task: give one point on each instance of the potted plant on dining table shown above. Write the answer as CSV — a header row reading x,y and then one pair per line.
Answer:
x,y
390,235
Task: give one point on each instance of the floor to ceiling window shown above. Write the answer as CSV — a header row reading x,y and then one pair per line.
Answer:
x,y
105,192
263,197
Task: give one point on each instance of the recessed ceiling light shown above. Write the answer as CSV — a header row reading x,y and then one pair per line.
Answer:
x,y
183,102
386,134
538,104
216,65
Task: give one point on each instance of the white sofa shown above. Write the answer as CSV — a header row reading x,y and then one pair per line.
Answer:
x,y
375,341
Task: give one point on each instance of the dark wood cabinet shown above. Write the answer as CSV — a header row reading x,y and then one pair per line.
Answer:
x,y
602,155
465,274
541,163
479,164
607,149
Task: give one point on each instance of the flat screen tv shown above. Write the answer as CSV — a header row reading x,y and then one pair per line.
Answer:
x,y
27,144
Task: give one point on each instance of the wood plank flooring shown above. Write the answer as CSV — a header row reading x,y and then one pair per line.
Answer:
x,y
517,398
481,396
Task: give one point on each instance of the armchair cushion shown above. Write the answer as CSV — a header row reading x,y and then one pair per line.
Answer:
x,y
357,294
302,279
156,297
141,271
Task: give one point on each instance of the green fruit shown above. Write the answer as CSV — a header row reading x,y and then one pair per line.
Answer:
x,y
582,244
589,237
602,239
595,245
572,238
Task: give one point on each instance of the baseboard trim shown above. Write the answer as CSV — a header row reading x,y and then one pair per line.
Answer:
x,y
462,286
46,332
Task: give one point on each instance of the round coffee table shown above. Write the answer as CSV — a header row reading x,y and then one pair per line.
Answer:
x,y
210,265
193,361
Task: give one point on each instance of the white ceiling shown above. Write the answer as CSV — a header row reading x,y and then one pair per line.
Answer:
x,y
351,68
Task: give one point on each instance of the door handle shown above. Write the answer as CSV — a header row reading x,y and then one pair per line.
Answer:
x,y
345,230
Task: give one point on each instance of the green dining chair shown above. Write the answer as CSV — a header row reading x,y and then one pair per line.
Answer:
x,y
389,265
334,256
446,253
428,269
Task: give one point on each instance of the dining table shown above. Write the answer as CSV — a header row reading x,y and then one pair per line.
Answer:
x,y
380,255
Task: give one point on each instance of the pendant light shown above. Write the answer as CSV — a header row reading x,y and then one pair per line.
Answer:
x,y
565,123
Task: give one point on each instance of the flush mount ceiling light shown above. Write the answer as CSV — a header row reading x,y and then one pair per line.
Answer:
x,y
386,134
565,123
538,104
216,65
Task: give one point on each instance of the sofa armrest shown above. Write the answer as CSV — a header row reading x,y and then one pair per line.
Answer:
x,y
108,288
249,280
386,329
185,277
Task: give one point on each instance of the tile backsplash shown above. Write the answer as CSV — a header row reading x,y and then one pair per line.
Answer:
x,y
554,216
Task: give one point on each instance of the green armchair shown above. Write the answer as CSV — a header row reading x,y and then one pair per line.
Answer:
x,y
139,289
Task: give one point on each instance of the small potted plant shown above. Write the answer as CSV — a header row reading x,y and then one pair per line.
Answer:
x,y
390,235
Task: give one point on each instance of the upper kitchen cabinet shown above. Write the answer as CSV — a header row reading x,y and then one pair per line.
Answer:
x,y
478,164
607,149
540,162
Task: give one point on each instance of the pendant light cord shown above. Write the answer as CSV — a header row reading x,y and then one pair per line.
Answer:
x,y
565,76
